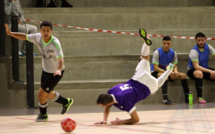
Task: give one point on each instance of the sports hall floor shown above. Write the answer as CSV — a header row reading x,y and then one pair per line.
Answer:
x,y
154,119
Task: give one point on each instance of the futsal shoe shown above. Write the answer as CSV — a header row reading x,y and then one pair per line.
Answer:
x,y
65,4
67,106
143,34
21,54
201,100
167,102
42,117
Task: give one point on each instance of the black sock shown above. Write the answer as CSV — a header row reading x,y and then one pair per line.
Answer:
x,y
185,86
62,100
43,108
164,90
198,83
186,89
186,97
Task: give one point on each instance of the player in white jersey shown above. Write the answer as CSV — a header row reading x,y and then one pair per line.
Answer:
x,y
140,86
52,66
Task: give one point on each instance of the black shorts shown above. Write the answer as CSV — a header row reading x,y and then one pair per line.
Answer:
x,y
155,74
49,81
205,75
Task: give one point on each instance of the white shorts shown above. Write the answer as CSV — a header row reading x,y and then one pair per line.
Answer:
x,y
143,75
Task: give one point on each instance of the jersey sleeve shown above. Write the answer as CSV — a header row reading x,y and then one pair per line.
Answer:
x,y
211,49
194,55
129,107
58,49
32,37
155,58
175,59
132,110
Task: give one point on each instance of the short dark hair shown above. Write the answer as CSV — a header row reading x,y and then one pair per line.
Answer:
x,y
104,99
200,34
46,23
166,38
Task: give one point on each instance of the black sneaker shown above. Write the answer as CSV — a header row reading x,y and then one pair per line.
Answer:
x,y
143,34
42,117
167,102
66,4
67,106
186,100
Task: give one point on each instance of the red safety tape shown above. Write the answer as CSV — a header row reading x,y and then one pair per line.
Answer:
x,y
108,31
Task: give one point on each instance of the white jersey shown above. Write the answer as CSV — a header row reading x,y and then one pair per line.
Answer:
x,y
50,51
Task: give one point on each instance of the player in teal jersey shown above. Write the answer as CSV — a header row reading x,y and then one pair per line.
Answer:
x,y
52,66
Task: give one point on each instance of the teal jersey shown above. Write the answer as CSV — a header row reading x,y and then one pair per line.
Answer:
x,y
50,51
162,59
203,57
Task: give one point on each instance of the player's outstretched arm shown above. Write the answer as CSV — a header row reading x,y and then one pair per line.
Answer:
x,y
158,69
105,114
134,119
213,56
20,36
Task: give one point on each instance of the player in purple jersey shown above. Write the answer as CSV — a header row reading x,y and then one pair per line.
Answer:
x,y
141,85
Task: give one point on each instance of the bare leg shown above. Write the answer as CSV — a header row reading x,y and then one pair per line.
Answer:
x,y
51,95
42,96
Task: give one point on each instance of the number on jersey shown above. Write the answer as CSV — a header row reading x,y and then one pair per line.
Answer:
x,y
125,87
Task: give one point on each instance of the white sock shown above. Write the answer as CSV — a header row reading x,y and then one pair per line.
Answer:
x,y
163,77
145,49
56,97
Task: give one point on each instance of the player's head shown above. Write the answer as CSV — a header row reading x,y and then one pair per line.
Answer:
x,y
104,100
46,29
166,43
200,39
46,23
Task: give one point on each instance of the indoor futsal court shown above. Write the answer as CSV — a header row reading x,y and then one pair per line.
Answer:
x,y
102,44
154,119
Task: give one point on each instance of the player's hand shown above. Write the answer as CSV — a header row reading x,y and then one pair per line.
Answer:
x,y
117,122
57,72
212,73
101,122
7,29
172,73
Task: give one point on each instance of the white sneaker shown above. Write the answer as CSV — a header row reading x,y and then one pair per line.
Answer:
x,y
21,54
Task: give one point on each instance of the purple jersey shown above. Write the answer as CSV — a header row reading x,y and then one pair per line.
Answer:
x,y
128,94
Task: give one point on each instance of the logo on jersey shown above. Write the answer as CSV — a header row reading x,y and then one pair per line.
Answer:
x,y
47,89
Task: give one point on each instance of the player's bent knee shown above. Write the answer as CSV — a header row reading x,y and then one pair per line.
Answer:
x,y
183,76
52,95
42,94
198,74
145,57
212,77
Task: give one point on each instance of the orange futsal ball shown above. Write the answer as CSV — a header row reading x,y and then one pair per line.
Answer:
x,y
68,124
